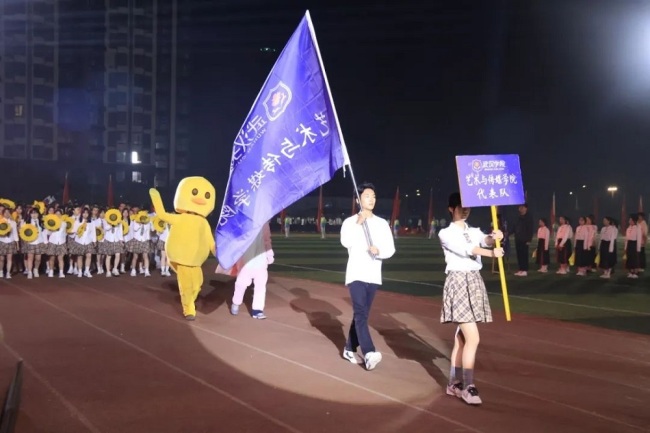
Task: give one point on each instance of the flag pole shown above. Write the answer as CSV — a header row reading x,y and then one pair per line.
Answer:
x,y
346,157
502,274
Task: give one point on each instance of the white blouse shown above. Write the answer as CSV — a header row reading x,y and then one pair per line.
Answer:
x,y
12,236
458,243
140,232
112,233
58,237
88,236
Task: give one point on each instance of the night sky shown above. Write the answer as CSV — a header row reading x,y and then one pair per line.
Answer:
x,y
563,83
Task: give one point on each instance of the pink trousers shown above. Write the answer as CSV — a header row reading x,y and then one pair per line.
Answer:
x,y
244,279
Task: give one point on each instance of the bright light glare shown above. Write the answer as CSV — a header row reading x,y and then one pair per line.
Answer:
x,y
135,158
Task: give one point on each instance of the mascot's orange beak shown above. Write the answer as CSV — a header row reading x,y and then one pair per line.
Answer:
x,y
198,200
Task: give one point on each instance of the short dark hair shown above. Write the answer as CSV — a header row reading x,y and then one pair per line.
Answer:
x,y
454,200
364,186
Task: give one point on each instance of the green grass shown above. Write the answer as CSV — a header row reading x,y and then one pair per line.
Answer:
x,y
418,266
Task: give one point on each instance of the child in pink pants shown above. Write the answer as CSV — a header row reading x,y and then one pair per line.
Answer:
x,y
253,268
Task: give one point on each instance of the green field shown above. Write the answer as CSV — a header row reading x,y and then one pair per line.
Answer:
x,y
417,269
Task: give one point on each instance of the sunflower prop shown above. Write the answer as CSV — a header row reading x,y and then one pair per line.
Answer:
x,y
142,217
159,225
81,229
99,232
7,203
40,206
69,224
28,233
113,217
14,216
52,222
5,227
125,227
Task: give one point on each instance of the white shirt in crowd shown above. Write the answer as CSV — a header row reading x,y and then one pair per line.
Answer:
x,y
58,237
112,233
12,236
361,265
140,232
41,235
458,243
609,234
89,235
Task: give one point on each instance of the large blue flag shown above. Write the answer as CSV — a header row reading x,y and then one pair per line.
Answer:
x,y
289,145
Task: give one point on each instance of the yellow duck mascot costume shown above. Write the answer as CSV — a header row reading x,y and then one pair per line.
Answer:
x,y
190,239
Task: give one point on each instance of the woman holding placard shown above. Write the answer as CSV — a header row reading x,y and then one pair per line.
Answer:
x,y
465,299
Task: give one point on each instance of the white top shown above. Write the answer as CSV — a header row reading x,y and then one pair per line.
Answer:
x,y
88,236
140,232
58,237
564,232
41,235
165,233
458,243
609,234
99,222
12,236
361,265
112,233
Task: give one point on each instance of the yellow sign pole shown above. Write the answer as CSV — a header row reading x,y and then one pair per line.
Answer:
x,y
502,274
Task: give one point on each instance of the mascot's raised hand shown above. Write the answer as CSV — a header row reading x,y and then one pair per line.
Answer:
x,y
190,239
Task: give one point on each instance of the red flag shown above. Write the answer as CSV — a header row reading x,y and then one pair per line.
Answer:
x,y
66,190
623,217
553,212
110,191
396,205
283,215
354,204
640,203
430,209
320,209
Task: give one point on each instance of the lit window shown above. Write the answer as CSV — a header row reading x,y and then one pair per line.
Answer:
x,y
18,110
135,159
136,177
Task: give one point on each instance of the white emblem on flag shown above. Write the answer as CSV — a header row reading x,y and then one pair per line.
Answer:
x,y
277,101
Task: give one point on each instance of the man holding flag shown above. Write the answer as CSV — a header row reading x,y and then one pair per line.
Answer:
x,y
363,272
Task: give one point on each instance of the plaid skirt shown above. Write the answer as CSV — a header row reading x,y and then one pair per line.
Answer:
x,y
37,249
56,250
107,248
8,248
465,298
76,249
138,247
160,245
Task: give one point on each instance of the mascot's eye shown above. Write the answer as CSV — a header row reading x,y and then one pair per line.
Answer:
x,y
195,191
207,195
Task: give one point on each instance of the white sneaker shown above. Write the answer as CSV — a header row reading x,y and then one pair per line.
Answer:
x,y
29,275
61,274
116,272
122,271
35,273
2,274
147,274
70,270
351,356
87,274
372,359
133,273
108,275
80,274
100,271
8,276
50,273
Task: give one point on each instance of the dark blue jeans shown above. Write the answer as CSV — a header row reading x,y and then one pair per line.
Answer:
x,y
362,295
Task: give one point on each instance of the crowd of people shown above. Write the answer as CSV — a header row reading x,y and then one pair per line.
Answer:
x,y
585,247
79,240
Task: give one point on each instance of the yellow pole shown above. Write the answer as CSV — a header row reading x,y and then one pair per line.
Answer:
x,y
502,274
